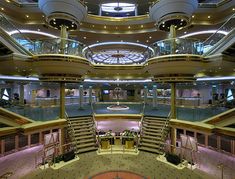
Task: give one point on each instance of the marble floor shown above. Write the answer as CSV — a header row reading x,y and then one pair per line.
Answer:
x,y
22,165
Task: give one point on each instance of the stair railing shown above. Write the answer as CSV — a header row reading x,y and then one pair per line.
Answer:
x,y
71,133
164,128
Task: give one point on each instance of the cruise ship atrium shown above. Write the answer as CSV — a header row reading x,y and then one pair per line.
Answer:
x,y
117,89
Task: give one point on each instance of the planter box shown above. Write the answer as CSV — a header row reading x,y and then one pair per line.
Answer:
x,y
105,144
129,144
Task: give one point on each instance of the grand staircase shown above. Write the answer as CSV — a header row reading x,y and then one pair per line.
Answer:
x,y
82,133
153,134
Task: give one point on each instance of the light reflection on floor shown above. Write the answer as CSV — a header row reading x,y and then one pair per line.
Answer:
x,y
117,125
118,175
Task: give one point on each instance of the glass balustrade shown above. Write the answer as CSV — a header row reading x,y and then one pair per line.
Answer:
x,y
55,46
218,36
178,46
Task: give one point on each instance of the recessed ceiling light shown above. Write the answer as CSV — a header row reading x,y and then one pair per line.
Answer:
x,y
233,9
185,32
93,25
129,27
2,8
208,17
43,16
97,41
193,16
137,41
105,27
142,26
54,22
121,40
72,25
150,37
116,27
84,37
27,16
147,40
182,20
8,1
39,30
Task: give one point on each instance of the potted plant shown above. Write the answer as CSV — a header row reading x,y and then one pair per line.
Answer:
x,y
129,137
173,158
104,140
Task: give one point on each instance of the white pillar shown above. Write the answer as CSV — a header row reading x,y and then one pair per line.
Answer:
x,y
81,96
136,10
90,94
154,96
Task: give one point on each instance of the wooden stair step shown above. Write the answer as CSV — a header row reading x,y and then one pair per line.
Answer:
x,y
152,130
83,133
82,130
88,149
155,146
79,146
84,137
152,133
151,141
151,137
150,150
153,124
86,140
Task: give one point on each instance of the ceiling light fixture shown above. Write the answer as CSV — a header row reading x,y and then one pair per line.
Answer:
x,y
208,17
31,32
204,32
2,8
27,16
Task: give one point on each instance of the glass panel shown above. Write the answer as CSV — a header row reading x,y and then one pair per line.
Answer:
x,y
212,141
225,144
23,140
178,132
189,133
9,143
34,138
201,138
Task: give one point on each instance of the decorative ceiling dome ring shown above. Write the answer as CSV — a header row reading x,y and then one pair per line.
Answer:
x,y
173,8
56,20
179,21
69,10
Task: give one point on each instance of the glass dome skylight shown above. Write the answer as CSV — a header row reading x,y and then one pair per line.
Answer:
x,y
118,7
118,57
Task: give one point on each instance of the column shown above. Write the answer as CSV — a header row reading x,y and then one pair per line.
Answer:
x,y
21,94
136,9
172,37
62,100
173,101
29,140
40,137
218,142
2,147
154,96
90,94
62,139
16,143
173,139
81,96
63,36
206,140
145,94
100,10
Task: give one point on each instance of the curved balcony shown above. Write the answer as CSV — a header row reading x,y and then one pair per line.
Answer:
x,y
176,60
58,59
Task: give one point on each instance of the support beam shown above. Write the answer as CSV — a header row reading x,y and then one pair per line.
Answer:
x,y
62,100
154,96
90,94
173,140
145,94
173,101
62,139
81,96
63,36
172,37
